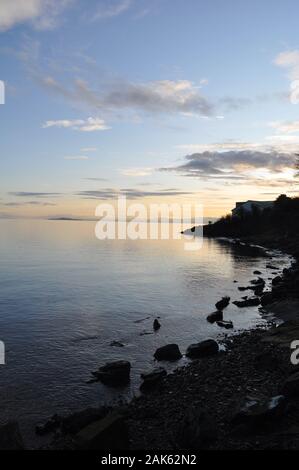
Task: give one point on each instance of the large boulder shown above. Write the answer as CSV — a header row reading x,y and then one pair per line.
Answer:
x,y
205,348
215,316
114,373
152,379
110,432
196,430
10,437
170,352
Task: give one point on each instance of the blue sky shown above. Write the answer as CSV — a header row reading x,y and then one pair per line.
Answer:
x,y
165,100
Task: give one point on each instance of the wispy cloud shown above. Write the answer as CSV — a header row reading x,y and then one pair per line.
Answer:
x,y
111,8
33,194
83,125
290,61
161,96
130,193
41,14
88,149
76,157
136,171
285,126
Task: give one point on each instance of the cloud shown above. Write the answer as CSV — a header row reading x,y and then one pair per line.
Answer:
x,y
31,203
42,14
234,164
96,179
137,171
88,125
285,126
111,8
290,61
33,194
112,193
89,149
160,96
76,157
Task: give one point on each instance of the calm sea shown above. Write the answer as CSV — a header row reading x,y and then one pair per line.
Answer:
x,y
65,296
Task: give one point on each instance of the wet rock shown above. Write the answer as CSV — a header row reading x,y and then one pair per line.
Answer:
x,y
270,266
152,379
114,373
257,272
215,316
10,437
50,426
251,302
208,347
156,325
258,281
117,344
267,299
259,290
276,280
74,422
196,431
170,352
290,387
255,413
225,324
110,432
223,303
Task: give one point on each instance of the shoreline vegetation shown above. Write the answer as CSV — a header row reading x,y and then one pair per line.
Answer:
x,y
242,396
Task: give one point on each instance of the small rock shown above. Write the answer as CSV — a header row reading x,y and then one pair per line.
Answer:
x,y
170,352
114,373
223,303
225,324
208,347
156,324
257,272
117,344
215,316
251,302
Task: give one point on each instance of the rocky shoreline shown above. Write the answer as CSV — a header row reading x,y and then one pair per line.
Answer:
x,y
243,396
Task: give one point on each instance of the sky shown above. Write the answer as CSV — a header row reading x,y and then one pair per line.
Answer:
x,y
163,101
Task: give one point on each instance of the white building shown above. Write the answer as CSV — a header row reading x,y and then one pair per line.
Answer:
x,y
247,207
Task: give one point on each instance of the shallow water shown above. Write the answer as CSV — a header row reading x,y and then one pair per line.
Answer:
x,y
66,295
